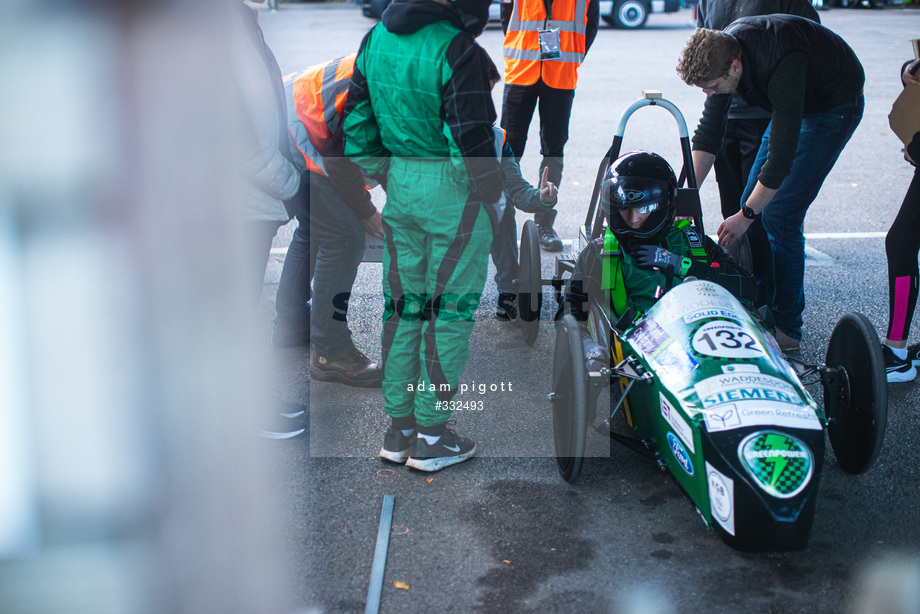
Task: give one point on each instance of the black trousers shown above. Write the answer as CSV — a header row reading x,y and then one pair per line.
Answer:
x,y
518,106
733,166
902,244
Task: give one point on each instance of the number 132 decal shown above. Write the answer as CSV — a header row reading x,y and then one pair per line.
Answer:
x,y
725,339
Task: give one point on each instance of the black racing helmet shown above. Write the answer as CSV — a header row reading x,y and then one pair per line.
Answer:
x,y
642,181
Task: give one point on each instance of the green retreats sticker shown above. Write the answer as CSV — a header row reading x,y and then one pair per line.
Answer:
x,y
780,464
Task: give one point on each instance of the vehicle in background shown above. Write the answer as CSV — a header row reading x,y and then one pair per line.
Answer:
x,y
632,14
627,14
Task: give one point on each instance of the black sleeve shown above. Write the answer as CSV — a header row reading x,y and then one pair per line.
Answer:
x,y
711,129
469,113
723,270
786,91
359,95
594,18
507,8
346,176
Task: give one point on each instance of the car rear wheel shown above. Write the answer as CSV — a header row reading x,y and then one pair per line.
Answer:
x,y
530,283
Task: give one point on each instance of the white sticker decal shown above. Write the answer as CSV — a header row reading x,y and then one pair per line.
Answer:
x,y
761,413
648,337
673,363
721,498
740,368
677,422
740,386
726,339
710,313
723,418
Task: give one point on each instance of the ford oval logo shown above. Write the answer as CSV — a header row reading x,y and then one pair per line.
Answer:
x,y
680,453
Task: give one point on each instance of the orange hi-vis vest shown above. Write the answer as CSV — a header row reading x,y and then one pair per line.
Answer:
x,y
521,51
316,100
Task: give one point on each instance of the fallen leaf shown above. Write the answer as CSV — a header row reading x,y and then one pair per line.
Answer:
x,y
401,585
434,500
506,562
429,480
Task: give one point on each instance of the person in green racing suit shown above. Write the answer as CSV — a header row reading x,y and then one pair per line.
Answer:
x,y
419,120
644,251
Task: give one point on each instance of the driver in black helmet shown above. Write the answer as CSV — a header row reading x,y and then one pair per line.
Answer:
x,y
655,252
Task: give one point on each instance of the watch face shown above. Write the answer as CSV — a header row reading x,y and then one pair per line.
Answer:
x,y
748,212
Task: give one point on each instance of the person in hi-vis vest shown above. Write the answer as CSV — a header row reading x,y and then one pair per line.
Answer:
x,y
333,218
545,43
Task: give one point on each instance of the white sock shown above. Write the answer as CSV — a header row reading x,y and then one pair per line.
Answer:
x,y
431,439
407,432
899,352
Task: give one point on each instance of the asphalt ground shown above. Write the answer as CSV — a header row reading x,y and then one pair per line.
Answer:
x,y
503,532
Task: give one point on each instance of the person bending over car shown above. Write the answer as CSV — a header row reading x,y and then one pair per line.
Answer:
x,y
654,250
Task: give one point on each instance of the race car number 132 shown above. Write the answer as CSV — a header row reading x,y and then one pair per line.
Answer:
x,y
724,339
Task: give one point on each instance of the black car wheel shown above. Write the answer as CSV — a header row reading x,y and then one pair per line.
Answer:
x,y
530,282
857,405
569,398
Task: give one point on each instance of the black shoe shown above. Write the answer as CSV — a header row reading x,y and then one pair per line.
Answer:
x,y
913,354
549,240
507,308
287,336
286,425
396,445
450,449
352,369
898,369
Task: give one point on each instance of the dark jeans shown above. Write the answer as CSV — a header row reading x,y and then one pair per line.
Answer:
x,y
504,251
518,106
326,248
733,167
821,139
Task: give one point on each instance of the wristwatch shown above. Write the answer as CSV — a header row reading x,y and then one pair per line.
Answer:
x,y
749,213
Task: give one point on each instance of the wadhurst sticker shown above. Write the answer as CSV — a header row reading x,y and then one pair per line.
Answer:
x,y
721,498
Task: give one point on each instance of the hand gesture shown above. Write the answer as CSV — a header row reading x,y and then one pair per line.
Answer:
x,y
548,190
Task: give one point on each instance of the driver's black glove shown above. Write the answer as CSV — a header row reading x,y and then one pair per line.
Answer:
x,y
654,257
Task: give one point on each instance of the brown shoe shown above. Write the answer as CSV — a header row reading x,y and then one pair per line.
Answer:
x,y
352,369
785,342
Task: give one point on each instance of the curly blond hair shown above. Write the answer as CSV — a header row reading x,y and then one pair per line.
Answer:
x,y
707,55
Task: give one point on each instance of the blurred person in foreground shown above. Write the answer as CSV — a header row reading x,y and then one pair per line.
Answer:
x,y
902,245
273,183
328,243
273,180
419,120
811,82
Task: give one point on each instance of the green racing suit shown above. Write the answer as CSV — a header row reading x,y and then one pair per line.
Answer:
x,y
419,119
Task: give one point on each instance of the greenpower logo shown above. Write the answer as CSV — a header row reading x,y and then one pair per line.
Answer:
x,y
780,464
